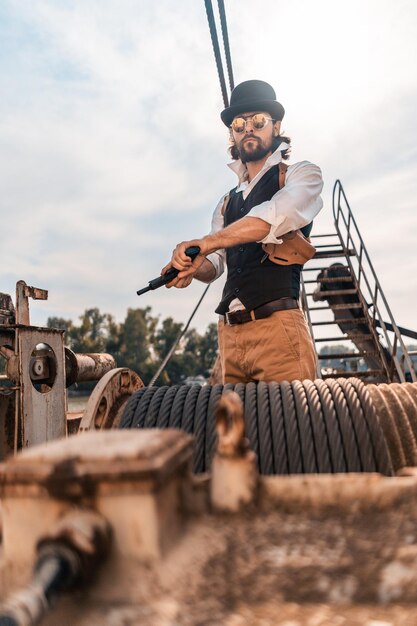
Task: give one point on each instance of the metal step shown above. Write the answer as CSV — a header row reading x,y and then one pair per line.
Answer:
x,y
345,355
319,269
337,252
344,338
355,320
334,292
359,374
341,279
327,235
334,307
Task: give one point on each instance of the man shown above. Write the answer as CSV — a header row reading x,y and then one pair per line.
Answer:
x,y
263,334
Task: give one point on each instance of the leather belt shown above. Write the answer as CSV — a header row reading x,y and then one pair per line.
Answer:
x,y
261,312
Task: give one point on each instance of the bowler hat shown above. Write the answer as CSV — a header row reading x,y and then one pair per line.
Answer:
x,y
252,95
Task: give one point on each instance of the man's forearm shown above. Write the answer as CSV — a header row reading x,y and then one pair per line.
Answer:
x,y
245,230
206,272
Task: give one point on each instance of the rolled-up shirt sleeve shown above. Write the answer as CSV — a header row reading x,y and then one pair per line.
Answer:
x,y
293,206
218,258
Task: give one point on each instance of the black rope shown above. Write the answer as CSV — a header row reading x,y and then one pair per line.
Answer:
x,y
388,426
379,443
278,430
308,452
318,425
216,50
223,22
264,429
324,426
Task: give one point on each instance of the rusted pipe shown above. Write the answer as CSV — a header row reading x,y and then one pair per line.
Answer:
x,y
86,367
66,558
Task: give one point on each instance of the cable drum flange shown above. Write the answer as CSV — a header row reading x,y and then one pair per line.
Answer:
x,y
346,427
318,425
308,454
142,407
188,412
404,429
264,429
165,408
154,406
130,408
291,429
200,423
366,453
378,441
278,430
177,406
211,436
337,451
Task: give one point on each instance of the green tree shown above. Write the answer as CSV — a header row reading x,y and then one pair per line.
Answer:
x,y
136,335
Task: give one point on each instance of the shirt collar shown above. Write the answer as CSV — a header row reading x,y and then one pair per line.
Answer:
x,y
241,171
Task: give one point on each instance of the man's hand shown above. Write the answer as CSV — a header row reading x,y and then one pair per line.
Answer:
x,y
183,263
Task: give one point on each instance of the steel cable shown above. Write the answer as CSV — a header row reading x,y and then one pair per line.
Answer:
x,y
346,427
318,426
389,427
305,427
177,407
165,408
404,429
363,438
308,453
379,443
291,429
264,429
216,50
200,423
337,450
142,407
154,406
251,420
211,436
405,393
278,430
226,45
188,412
130,408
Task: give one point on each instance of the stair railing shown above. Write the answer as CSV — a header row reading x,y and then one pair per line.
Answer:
x,y
366,280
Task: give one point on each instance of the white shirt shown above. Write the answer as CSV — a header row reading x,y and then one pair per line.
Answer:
x,y
292,207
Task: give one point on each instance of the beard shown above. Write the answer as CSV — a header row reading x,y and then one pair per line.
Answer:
x,y
250,152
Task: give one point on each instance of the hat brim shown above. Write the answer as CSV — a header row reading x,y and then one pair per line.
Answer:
x,y
273,107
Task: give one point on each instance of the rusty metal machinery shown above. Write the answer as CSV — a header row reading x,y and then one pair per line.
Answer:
x,y
327,426
38,369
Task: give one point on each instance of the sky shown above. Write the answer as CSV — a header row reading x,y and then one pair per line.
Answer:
x,y
112,150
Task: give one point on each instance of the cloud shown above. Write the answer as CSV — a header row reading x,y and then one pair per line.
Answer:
x,y
112,149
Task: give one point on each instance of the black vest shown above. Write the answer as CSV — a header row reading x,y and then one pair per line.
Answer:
x,y
250,279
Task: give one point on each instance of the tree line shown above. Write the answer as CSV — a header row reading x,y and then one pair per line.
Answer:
x,y
141,341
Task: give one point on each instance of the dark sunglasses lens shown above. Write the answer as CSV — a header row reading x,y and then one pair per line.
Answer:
x,y
259,120
239,124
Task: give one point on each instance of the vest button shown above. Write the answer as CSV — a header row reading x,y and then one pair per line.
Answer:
x,y
240,248
241,210
237,290
239,269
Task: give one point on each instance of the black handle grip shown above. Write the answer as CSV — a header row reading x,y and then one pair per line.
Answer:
x,y
192,252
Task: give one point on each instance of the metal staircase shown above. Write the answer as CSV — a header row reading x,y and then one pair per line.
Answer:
x,y
347,311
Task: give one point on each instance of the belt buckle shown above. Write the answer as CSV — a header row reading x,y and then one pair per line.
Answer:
x,y
227,318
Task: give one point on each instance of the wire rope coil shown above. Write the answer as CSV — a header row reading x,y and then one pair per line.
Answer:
x,y
298,427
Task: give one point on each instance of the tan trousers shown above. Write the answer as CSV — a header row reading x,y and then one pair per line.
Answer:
x,y
273,349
